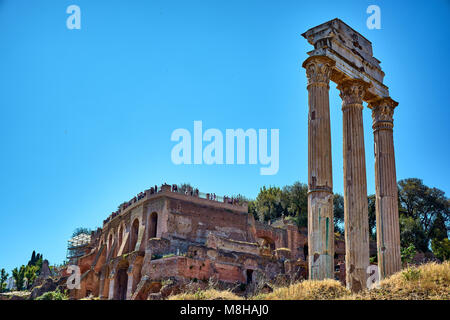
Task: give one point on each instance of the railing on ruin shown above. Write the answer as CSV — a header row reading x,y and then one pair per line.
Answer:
x,y
177,189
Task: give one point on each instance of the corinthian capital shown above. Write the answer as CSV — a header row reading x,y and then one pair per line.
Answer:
x,y
383,113
318,69
352,91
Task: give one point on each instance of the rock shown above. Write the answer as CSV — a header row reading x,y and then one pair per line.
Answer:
x,y
266,288
45,270
145,287
15,295
43,275
154,296
171,288
48,285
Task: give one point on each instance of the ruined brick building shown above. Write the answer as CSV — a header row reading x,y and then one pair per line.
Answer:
x,y
186,236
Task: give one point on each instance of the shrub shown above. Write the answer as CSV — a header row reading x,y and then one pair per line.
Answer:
x,y
53,295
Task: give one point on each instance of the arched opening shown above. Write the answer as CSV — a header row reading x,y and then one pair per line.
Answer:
x,y
305,251
249,275
153,225
121,283
134,234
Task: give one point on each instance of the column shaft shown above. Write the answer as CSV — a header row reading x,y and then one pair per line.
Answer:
x,y
355,186
388,228
320,180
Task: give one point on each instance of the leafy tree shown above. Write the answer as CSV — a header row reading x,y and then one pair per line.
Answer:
x,y
3,277
32,261
424,214
19,276
252,209
338,213
441,248
268,203
408,253
411,233
372,216
30,274
294,201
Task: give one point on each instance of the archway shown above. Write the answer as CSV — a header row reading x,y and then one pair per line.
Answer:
x,y
134,234
305,251
153,225
121,282
249,276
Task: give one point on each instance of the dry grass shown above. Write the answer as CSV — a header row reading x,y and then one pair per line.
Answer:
x,y
430,281
308,290
209,294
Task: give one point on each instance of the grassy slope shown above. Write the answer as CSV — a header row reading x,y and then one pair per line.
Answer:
x,y
429,281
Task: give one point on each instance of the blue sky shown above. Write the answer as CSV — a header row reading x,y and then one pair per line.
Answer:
x,y
86,115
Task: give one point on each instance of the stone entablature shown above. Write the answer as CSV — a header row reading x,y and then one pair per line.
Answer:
x,y
352,54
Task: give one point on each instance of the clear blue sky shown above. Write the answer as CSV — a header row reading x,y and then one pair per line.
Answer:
x,y
86,115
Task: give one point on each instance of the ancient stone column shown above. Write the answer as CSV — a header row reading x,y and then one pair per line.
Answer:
x,y
320,180
355,185
388,229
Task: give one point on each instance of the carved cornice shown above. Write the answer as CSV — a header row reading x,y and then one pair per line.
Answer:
x,y
383,113
352,92
318,70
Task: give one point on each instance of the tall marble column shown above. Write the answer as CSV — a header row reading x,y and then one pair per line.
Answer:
x,y
388,229
320,180
355,185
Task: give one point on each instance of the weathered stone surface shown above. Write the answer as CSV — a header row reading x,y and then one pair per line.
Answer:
x,y
388,228
320,177
356,213
48,284
154,296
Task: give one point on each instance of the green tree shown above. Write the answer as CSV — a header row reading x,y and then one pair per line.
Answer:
x,y
3,277
19,276
32,261
338,213
408,253
424,214
411,233
372,215
252,209
30,274
268,203
294,201
441,248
